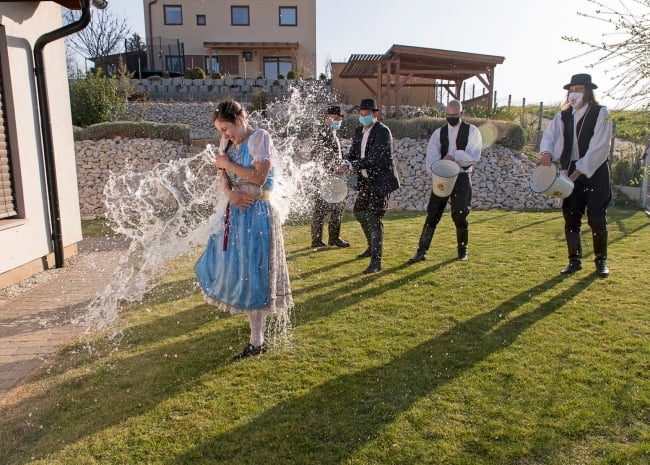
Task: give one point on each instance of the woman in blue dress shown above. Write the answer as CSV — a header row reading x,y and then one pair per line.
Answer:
x,y
244,268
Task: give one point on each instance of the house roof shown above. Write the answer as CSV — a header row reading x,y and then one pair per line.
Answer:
x,y
70,4
421,62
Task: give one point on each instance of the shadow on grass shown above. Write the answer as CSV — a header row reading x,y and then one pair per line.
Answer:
x,y
327,425
338,298
93,391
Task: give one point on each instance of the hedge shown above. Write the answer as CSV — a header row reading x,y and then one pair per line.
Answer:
x,y
134,130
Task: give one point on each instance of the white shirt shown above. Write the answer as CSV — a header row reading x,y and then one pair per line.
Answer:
x,y
598,150
364,142
471,154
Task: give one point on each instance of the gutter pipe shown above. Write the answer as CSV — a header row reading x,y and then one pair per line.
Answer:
x,y
46,129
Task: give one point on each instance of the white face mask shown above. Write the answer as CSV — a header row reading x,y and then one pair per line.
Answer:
x,y
575,99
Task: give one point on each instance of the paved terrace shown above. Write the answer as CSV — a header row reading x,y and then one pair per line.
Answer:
x,y
38,320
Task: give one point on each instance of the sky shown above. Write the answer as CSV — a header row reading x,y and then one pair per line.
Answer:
x,y
527,33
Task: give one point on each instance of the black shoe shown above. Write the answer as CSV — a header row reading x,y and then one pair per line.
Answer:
x,y
250,350
339,243
572,267
365,254
318,244
462,256
374,267
601,268
418,257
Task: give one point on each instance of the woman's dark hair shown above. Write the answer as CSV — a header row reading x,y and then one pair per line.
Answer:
x,y
589,96
228,111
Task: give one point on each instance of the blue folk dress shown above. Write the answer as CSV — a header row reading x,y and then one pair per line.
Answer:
x,y
251,275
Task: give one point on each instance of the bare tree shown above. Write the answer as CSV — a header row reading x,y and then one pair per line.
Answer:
x,y
103,36
625,49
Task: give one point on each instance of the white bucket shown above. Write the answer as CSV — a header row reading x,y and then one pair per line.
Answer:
x,y
443,177
334,189
549,180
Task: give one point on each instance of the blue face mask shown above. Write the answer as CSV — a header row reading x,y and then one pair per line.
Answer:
x,y
366,120
335,125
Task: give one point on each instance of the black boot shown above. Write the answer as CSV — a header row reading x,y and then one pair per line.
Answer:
x,y
375,252
364,254
362,218
317,234
600,253
423,244
574,247
334,230
462,236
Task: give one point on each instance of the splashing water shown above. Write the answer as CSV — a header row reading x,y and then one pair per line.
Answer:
x,y
170,210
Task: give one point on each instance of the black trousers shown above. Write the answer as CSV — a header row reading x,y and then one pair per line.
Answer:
x,y
321,210
460,199
369,209
592,195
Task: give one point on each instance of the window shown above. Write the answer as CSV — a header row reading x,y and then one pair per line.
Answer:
x,y
211,65
239,16
200,20
288,16
175,63
274,66
173,14
7,190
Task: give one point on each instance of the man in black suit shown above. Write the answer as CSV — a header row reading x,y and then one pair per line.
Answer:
x,y
326,153
371,159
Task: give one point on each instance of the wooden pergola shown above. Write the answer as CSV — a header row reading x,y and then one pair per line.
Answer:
x,y
405,66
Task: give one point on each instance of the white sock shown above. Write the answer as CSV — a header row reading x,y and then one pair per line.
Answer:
x,y
256,321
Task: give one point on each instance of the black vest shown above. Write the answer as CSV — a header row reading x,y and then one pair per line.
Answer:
x,y
461,139
584,128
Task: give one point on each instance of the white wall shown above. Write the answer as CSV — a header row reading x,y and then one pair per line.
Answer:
x,y
28,239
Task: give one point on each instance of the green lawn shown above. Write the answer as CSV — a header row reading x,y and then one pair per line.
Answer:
x,y
498,360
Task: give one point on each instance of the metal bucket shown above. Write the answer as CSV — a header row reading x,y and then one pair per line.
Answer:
x,y
549,180
443,177
334,189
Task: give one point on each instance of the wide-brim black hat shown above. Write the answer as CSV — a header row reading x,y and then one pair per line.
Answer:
x,y
368,104
334,110
581,80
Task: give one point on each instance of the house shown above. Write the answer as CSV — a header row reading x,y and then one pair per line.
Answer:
x,y
40,221
257,38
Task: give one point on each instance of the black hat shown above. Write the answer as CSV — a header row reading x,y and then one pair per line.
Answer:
x,y
334,110
368,104
581,80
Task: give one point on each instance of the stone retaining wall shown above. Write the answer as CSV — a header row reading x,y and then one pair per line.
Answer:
x,y
500,179
196,115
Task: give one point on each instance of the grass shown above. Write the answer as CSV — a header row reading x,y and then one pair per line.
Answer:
x,y
498,360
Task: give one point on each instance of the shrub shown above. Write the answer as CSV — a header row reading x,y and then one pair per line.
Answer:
x,y
194,73
217,75
291,75
96,99
259,101
504,133
628,171
322,77
134,130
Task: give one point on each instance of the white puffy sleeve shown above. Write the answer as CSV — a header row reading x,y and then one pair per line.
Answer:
x,y
553,138
261,145
598,150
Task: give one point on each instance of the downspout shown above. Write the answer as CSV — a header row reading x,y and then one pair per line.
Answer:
x,y
46,130
152,63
